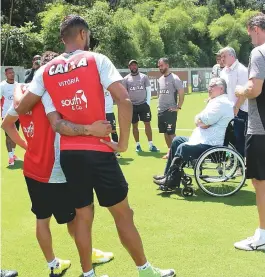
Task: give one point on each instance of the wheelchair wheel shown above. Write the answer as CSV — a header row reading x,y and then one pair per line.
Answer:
x,y
187,192
220,171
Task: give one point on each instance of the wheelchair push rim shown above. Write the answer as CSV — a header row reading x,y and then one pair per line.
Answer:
x,y
216,171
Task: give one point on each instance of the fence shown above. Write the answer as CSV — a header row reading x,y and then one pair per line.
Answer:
x,y
193,79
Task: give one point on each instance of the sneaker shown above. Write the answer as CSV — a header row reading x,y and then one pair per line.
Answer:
x,y
16,158
160,182
60,268
8,273
138,148
100,257
159,177
253,243
156,272
154,149
11,161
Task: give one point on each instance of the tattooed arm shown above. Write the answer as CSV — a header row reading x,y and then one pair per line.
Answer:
x,y
101,128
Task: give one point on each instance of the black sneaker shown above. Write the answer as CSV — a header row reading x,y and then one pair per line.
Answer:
x,y
8,273
159,177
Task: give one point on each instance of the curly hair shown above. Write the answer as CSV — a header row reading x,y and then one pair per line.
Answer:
x,y
48,56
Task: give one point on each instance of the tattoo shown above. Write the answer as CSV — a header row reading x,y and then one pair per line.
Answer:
x,y
67,128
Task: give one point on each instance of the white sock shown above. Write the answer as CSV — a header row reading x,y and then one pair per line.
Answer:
x,y
262,233
13,151
138,143
53,263
90,273
10,155
150,143
143,267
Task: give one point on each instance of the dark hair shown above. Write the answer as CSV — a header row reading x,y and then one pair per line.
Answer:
x,y
257,20
71,25
165,60
8,69
48,56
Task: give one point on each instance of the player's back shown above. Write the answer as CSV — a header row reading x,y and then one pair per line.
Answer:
x,y
40,155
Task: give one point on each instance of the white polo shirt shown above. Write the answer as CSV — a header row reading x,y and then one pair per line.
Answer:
x,y
236,74
218,113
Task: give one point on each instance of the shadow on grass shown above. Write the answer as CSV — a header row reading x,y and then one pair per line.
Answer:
x,y
157,155
97,265
125,161
17,165
241,198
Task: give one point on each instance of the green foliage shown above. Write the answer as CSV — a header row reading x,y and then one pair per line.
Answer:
x,y
189,32
21,44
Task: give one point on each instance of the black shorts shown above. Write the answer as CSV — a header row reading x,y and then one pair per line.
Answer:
x,y
255,156
51,199
167,122
17,123
86,171
111,118
141,112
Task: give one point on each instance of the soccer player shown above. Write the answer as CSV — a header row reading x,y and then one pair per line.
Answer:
x,y
6,95
75,82
46,182
139,89
170,88
254,91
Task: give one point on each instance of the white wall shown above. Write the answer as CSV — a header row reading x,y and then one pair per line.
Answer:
x,y
19,73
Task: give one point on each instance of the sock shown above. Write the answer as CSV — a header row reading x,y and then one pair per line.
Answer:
x,y
90,273
143,267
13,151
262,233
10,155
138,143
150,143
53,263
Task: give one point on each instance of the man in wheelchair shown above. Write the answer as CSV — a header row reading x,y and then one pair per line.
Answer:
x,y
210,131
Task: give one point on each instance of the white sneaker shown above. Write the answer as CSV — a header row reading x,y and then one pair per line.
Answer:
x,y
257,242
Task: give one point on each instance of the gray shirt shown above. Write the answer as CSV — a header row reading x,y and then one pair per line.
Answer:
x,y
256,106
167,92
216,71
136,86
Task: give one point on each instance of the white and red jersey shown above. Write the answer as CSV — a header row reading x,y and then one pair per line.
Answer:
x,y
75,83
41,160
6,96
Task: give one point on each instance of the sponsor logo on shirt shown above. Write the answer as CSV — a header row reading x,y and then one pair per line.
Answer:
x,y
67,67
136,88
164,91
77,103
29,131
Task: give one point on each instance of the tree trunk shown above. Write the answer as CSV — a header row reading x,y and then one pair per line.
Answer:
x,y
10,22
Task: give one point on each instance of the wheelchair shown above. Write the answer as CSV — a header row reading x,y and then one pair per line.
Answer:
x,y
219,171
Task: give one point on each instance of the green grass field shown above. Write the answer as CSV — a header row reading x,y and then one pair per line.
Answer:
x,y
194,235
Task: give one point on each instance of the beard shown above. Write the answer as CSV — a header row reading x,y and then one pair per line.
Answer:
x,y
86,47
163,71
134,71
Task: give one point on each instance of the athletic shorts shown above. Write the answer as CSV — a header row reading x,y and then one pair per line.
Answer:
x,y
17,125
87,171
51,199
111,118
255,156
141,112
167,122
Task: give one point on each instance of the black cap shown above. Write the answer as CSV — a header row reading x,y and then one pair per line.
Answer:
x,y
132,61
